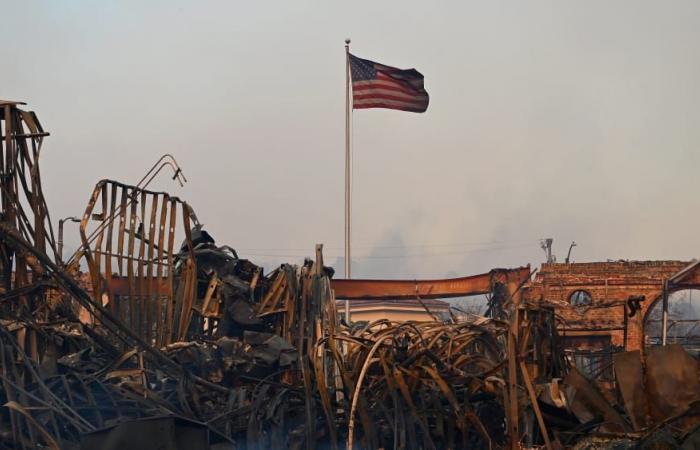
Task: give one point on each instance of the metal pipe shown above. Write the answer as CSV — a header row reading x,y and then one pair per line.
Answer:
x,y
664,320
60,235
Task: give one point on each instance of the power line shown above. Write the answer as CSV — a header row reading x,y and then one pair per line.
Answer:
x,y
419,255
373,247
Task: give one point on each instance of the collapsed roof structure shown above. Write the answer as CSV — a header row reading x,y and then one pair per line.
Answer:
x,y
179,343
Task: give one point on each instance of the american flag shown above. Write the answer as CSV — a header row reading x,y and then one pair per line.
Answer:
x,y
375,85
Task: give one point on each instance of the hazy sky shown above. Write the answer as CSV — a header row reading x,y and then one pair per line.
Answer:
x,y
577,120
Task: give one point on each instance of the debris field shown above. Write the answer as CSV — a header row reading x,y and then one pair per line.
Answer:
x,y
172,341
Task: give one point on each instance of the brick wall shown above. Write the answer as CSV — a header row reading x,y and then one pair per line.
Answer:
x,y
609,285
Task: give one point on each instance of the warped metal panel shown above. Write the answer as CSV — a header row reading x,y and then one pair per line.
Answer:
x,y
630,379
668,368
128,237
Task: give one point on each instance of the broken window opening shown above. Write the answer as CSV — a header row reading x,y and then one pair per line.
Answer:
x,y
683,321
580,298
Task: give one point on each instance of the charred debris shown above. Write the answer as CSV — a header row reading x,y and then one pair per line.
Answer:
x,y
176,342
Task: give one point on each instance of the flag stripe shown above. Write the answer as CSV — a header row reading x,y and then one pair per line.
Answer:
x,y
383,90
399,98
411,84
385,106
364,85
389,102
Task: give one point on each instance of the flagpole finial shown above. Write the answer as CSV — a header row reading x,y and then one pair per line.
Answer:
x,y
347,41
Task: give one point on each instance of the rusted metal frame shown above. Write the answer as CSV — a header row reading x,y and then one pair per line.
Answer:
x,y
168,326
15,420
524,342
141,282
187,276
161,167
348,387
48,439
108,254
358,386
36,140
321,377
9,204
20,179
52,418
512,410
178,300
94,274
135,258
67,389
29,135
28,364
190,281
172,163
392,388
91,398
535,406
79,425
21,378
292,304
122,227
23,224
150,297
211,288
254,282
417,418
13,210
116,407
115,326
5,148
28,289
399,289
22,279
97,264
133,320
460,413
278,286
304,368
104,223
160,329
35,194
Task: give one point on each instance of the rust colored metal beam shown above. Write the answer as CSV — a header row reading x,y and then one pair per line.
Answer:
x,y
425,289
119,286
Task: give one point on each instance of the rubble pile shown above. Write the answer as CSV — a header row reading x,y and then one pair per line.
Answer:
x,y
193,347
431,383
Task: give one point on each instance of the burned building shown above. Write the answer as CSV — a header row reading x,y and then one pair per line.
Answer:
x,y
608,307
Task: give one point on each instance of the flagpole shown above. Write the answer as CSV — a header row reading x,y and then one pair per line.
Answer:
x,y
347,172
